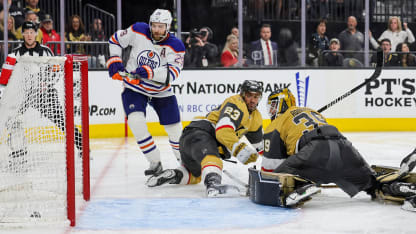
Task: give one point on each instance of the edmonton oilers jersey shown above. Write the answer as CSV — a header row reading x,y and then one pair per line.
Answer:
x,y
165,58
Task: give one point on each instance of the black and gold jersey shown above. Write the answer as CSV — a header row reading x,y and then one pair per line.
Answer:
x,y
283,133
232,120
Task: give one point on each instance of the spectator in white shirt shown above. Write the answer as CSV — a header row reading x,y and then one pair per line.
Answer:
x,y
395,34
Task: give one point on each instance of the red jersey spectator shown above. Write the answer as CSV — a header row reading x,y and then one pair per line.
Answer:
x,y
229,56
49,34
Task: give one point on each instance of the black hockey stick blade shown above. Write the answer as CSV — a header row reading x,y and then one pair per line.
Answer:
x,y
375,75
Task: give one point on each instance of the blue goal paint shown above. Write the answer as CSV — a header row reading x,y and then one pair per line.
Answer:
x,y
181,213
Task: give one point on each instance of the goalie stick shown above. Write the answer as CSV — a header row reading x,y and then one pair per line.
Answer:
x,y
375,75
246,186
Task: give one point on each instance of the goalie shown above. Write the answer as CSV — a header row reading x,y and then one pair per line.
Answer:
x,y
301,151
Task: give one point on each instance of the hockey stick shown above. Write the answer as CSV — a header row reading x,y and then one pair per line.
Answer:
x,y
239,182
375,75
138,77
135,76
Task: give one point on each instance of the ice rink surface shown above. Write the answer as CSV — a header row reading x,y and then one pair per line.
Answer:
x,y
121,203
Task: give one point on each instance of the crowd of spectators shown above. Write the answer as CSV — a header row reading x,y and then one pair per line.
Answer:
x,y
280,50
75,30
346,49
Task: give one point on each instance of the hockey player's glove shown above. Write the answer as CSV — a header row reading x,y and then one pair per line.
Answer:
x,y
144,71
2,88
115,65
244,153
259,147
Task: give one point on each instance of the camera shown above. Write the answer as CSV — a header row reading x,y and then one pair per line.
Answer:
x,y
194,34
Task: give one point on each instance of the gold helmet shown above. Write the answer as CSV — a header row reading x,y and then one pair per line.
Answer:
x,y
279,101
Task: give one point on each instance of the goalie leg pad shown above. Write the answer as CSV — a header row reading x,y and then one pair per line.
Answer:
x,y
389,174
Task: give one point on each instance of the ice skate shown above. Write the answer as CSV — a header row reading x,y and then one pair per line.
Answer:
x,y
169,176
410,204
154,169
216,189
301,195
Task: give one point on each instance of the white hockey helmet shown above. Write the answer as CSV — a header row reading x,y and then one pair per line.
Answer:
x,y
161,16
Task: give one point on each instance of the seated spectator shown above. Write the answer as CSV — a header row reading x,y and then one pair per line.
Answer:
x,y
11,31
395,34
75,31
200,52
264,52
229,56
15,11
390,59
97,51
406,59
50,35
32,5
318,43
97,31
32,17
352,39
288,49
333,58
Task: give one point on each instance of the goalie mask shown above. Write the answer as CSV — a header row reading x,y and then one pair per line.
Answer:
x,y
279,101
163,17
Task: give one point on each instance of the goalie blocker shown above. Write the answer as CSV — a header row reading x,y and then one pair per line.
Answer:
x,y
279,189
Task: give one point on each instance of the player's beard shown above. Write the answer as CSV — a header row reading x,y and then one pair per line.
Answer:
x,y
157,37
251,107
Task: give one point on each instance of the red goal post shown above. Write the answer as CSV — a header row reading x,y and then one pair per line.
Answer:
x,y
44,143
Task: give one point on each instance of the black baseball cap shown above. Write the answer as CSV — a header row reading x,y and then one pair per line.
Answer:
x,y
28,25
47,18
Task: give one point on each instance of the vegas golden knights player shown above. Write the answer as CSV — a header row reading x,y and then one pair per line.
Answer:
x,y
300,142
207,140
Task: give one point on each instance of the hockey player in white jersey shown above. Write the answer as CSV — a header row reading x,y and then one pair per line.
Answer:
x,y
156,57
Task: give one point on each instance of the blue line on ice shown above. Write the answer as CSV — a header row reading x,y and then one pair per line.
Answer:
x,y
181,213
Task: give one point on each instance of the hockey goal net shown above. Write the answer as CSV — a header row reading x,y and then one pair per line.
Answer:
x,y
44,146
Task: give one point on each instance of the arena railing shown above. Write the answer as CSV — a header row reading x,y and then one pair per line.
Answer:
x,y
333,10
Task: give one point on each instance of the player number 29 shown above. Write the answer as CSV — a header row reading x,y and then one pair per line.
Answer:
x,y
234,114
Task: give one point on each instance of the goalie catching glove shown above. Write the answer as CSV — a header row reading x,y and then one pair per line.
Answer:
x,y
244,153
